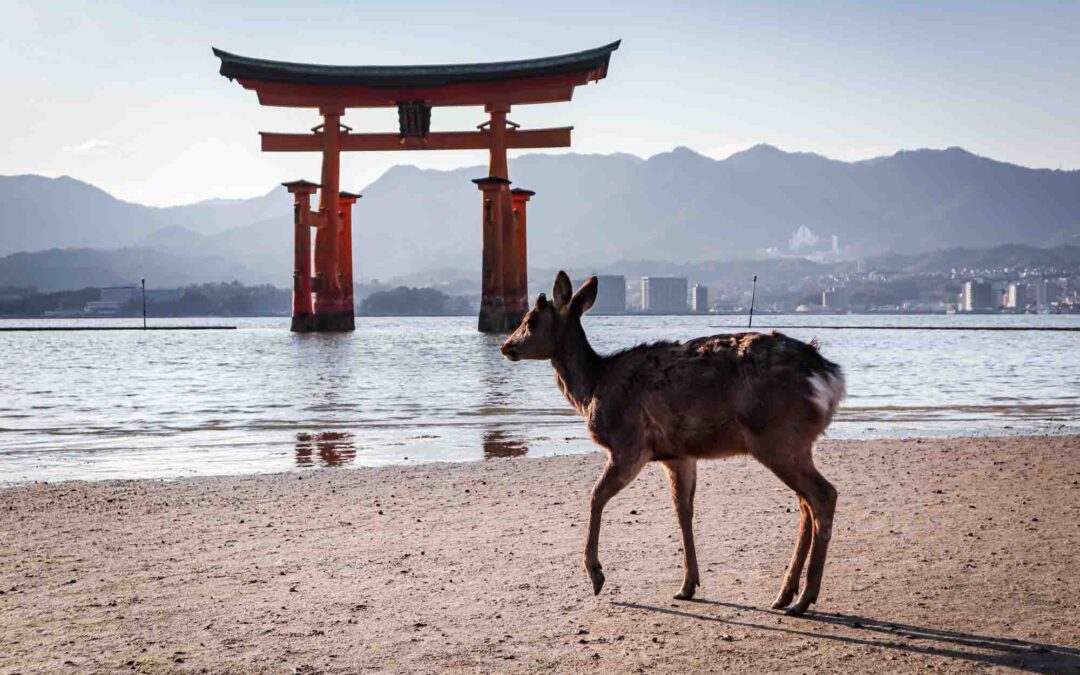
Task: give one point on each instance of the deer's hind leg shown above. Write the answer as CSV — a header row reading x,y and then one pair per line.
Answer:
x,y
822,506
793,463
683,476
798,557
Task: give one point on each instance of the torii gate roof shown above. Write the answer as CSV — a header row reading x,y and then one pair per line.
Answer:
x,y
542,80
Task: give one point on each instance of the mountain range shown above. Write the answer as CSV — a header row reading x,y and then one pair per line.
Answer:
x,y
589,211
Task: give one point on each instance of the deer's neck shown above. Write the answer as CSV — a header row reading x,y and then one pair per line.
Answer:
x,y
577,368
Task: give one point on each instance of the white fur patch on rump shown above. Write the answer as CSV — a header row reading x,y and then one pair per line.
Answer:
x,y
826,392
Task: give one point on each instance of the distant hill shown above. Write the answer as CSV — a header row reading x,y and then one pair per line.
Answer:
x,y
1009,255
38,213
593,210
68,269
777,272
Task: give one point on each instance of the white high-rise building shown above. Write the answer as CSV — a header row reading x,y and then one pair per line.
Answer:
x,y
699,298
1017,297
977,296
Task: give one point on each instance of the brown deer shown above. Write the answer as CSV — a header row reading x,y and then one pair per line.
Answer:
x,y
766,395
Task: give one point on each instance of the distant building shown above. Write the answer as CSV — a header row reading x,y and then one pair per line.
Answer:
x,y
610,294
1000,295
1017,297
699,298
835,298
111,301
1071,290
803,238
1045,294
663,294
977,296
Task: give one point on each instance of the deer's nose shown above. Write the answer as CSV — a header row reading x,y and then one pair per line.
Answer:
x,y
509,351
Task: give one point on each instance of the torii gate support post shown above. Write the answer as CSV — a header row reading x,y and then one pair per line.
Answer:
x,y
302,317
513,308
345,258
500,307
521,198
492,312
330,315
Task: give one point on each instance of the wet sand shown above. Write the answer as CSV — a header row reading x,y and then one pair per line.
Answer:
x,y
960,556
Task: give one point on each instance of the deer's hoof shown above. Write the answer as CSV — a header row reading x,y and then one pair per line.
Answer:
x,y
687,592
597,578
798,609
784,599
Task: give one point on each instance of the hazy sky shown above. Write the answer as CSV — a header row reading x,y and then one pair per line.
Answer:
x,y
126,94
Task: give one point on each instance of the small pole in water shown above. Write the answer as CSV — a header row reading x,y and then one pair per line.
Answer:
x,y
753,295
144,303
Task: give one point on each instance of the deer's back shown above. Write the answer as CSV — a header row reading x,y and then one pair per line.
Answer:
x,y
701,396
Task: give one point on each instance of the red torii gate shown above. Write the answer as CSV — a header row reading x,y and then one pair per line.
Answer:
x,y
414,91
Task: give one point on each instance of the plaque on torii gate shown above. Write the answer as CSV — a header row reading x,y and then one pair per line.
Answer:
x,y
414,91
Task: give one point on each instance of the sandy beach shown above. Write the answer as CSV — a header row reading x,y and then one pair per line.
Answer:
x,y
957,555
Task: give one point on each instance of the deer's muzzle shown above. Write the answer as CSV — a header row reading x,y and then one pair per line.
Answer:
x,y
510,351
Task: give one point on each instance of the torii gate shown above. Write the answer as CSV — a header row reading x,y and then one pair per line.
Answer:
x,y
414,91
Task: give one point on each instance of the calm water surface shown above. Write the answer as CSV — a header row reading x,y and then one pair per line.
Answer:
x,y
86,405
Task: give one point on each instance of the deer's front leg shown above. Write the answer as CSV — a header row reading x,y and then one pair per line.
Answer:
x,y
683,476
618,473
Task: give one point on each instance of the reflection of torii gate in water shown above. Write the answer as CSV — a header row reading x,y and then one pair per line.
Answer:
x,y
414,91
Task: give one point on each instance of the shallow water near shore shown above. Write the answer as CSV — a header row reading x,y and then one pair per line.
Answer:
x,y
115,405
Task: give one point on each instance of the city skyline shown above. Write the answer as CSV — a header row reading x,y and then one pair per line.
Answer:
x,y
157,125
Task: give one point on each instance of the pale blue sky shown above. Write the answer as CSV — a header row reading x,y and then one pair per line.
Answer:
x,y
126,94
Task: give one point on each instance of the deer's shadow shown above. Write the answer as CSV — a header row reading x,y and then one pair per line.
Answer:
x,y
995,651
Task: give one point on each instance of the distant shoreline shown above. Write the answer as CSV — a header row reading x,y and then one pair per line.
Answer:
x,y
31,329
757,314
1067,329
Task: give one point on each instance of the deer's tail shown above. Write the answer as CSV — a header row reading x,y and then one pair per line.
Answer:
x,y
827,388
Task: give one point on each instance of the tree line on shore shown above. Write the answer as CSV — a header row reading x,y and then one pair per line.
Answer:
x,y
221,299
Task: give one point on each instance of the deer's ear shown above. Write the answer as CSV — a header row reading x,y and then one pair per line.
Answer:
x,y
562,290
541,301
585,297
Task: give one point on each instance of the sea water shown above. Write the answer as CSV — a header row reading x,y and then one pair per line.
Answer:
x,y
166,404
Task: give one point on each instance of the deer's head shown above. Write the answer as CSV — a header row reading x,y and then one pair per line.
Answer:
x,y
550,322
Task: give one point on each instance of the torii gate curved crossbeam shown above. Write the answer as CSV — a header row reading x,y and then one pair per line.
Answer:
x,y
414,91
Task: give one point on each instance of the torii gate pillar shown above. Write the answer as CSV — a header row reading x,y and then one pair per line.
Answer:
x,y
345,258
302,315
520,198
503,297
331,311
494,317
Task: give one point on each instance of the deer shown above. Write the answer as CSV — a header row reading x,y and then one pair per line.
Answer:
x,y
766,395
